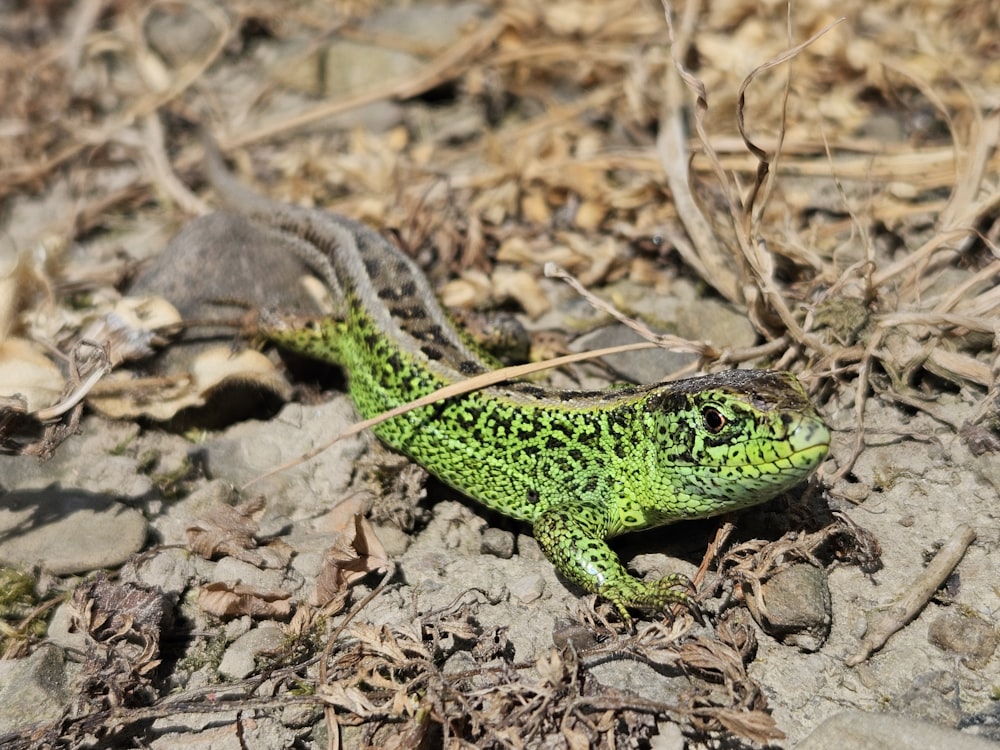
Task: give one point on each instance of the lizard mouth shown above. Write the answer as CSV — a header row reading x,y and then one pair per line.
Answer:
x,y
809,435
801,448
809,441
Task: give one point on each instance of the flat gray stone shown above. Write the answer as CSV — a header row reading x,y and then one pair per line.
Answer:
x,y
858,730
642,366
220,730
240,658
67,531
250,449
32,690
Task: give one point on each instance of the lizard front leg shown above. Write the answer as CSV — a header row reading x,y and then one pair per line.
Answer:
x,y
572,534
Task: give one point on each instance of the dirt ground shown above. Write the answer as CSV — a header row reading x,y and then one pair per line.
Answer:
x,y
186,558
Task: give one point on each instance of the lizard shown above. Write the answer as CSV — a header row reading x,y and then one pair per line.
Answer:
x,y
579,466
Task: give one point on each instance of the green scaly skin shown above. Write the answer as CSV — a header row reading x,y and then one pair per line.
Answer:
x,y
579,466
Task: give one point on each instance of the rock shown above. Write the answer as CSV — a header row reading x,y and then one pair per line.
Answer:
x,y
67,531
170,570
300,716
220,730
683,312
180,33
247,450
33,690
795,606
92,462
932,697
640,679
240,658
235,260
346,66
62,631
964,633
498,543
643,366
857,730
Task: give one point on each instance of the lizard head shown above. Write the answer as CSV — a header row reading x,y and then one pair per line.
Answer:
x,y
732,440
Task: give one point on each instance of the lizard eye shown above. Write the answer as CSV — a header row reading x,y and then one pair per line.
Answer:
x,y
713,419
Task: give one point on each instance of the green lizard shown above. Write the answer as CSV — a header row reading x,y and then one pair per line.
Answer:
x,y
579,466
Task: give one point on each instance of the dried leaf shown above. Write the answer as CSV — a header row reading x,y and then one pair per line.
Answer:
x,y
523,287
758,726
576,739
340,518
229,600
25,370
379,640
551,667
161,398
110,610
123,622
131,330
357,553
346,697
231,531
707,655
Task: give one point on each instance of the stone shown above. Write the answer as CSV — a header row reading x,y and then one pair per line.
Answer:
x,y
67,531
239,661
796,607
33,690
858,730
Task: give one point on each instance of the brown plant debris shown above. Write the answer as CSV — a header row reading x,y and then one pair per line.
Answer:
x,y
383,676
228,530
123,624
357,553
841,542
227,600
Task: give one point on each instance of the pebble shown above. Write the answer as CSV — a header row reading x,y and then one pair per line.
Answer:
x,y
179,33
858,730
231,570
798,607
668,737
498,543
67,531
33,690
527,588
965,634
346,66
240,658
933,697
